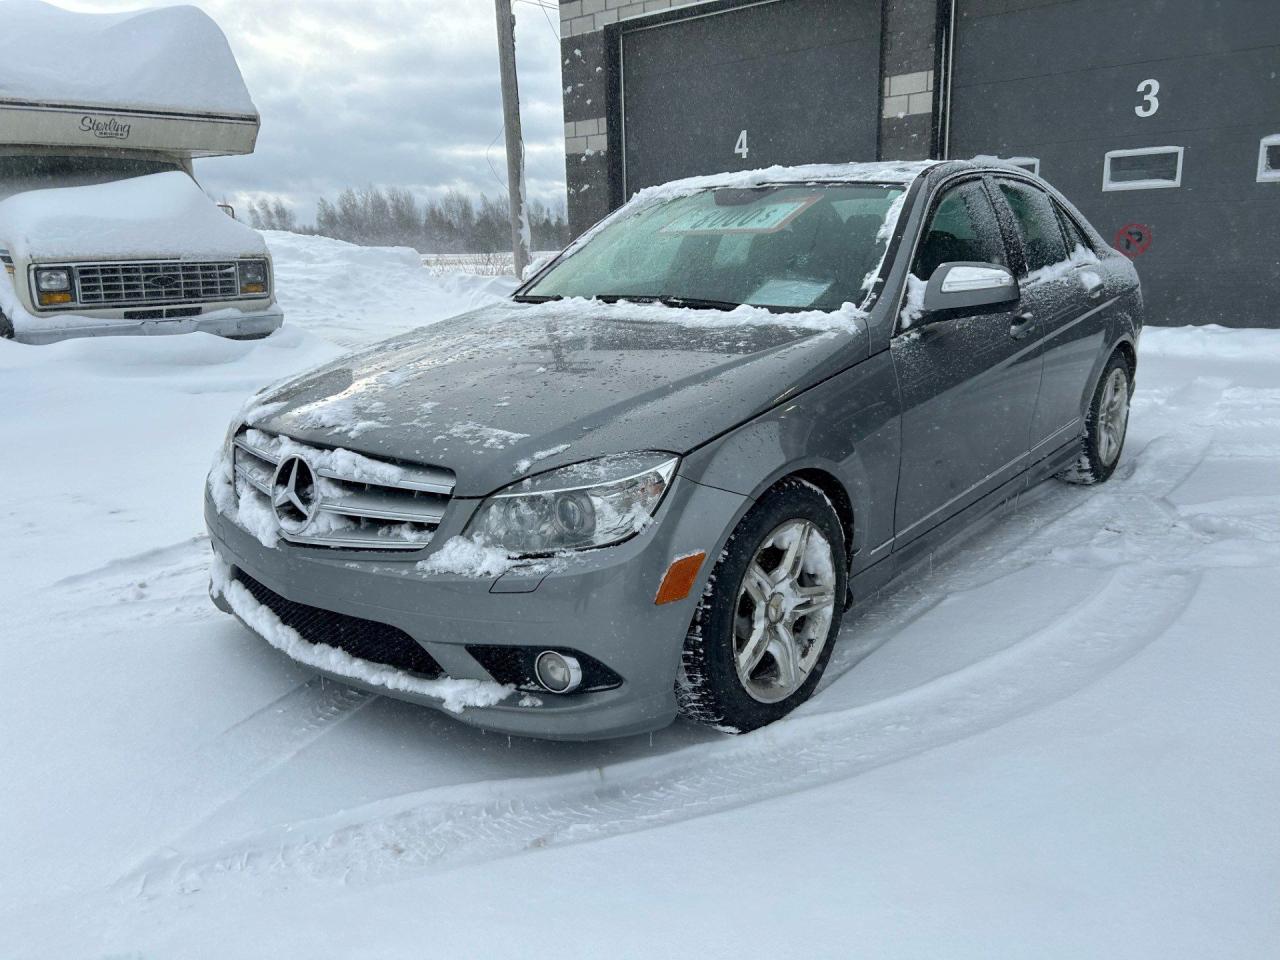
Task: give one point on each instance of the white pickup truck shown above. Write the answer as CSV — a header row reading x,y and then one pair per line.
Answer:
x,y
103,228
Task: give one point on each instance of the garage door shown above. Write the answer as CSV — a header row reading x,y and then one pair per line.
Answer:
x,y
787,81
1157,118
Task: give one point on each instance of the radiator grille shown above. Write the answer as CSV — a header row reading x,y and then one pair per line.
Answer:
x,y
363,504
363,639
135,282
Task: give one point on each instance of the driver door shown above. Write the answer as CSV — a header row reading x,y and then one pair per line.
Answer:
x,y
969,381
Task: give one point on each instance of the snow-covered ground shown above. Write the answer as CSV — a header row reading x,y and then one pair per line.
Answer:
x,y
1060,741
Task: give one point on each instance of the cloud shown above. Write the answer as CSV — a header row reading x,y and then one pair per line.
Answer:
x,y
391,92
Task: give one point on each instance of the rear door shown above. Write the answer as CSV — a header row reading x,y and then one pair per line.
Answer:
x,y
968,383
1064,289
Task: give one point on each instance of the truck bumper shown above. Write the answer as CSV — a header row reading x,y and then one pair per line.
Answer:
x,y
223,323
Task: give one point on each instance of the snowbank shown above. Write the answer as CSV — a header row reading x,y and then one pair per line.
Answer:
x,y
353,295
1057,741
169,58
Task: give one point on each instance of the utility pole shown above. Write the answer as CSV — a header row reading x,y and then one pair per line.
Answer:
x,y
515,142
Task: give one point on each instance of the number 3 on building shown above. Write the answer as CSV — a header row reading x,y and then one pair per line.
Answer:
x,y
1150,101
740,148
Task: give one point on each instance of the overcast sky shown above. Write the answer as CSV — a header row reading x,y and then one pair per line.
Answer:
x,y
391,92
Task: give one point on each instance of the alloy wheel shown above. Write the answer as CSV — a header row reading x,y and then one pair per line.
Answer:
x,y
784,610
1113,416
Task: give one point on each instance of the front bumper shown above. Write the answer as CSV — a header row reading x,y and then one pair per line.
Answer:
x,y
599,602
231,322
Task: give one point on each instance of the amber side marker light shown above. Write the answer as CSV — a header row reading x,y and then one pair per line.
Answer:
x,y
679,578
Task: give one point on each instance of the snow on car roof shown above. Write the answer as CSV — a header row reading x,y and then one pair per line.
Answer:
x,y
878,172
173,59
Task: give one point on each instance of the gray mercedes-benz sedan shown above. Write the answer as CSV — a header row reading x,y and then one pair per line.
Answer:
x,y
652,482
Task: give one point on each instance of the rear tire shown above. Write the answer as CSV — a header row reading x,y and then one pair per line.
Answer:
x,y
767,621
1106,425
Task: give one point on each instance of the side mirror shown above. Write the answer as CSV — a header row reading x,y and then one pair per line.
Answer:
x,y
969,286
228,209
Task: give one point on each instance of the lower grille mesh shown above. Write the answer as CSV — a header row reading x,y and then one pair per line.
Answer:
x,y
363,639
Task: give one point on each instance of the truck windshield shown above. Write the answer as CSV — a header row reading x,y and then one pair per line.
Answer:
x,y
19,173
792,247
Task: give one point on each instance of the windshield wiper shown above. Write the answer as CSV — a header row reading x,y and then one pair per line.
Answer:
x,y
531,298
693,303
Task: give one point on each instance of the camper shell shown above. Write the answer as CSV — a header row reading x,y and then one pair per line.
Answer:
x,y
91,203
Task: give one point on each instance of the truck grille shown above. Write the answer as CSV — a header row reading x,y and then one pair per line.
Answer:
x,y
362,639
359,503
135,282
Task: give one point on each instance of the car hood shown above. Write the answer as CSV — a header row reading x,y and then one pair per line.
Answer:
x,y
514,389
162,216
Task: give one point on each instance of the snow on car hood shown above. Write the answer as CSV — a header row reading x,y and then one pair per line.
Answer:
x,y
515,389
164,215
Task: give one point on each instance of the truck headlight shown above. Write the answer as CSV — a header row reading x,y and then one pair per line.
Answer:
x,y
53,286
254,276
590,504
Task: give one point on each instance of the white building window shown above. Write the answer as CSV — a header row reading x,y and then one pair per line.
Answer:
x,y
1269,158
1147,168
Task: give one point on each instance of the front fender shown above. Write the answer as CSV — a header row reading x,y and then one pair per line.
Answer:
x,y
846,427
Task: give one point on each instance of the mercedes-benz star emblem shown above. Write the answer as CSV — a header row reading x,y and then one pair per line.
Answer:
x,y
294,494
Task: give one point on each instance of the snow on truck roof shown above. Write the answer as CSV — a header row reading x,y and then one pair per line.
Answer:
x,y
168,60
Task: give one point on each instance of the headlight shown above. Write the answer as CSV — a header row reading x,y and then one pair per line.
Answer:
x,y
253,276
590,504
53,286
51,281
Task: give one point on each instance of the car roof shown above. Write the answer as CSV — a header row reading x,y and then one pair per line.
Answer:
x,y
892,172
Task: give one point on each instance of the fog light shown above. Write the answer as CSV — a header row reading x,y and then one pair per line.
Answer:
x,y
557,673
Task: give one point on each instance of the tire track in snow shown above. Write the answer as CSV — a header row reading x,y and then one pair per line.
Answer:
x,y
437,829
248,751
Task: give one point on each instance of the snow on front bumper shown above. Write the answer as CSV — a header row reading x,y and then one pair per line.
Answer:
x,y
454,695
224,322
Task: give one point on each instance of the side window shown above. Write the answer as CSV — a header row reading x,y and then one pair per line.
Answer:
x,y
1042,241
1075,236
963,227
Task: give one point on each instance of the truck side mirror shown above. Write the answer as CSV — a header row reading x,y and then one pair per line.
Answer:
x,y
228,209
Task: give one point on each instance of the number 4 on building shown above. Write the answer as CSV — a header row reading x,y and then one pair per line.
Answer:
x,y
740,148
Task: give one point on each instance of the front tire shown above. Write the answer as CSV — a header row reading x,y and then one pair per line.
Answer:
x,y
1106,425
6,327
765,626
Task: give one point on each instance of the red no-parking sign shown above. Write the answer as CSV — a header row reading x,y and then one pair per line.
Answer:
x,y
1133,239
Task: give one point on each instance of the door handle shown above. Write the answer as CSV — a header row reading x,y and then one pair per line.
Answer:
x,y
1021,325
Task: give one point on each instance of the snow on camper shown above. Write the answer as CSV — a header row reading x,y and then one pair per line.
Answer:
x,y
103,228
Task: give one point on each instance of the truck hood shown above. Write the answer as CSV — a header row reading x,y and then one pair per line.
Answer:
x,y
514,389
163,216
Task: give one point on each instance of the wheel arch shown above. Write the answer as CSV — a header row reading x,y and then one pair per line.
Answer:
x,y
831,488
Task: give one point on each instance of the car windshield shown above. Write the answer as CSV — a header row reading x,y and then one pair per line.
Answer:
x,y
794,247
20,173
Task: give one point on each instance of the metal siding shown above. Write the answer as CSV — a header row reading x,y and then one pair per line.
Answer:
x,y
1059,81
802,77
